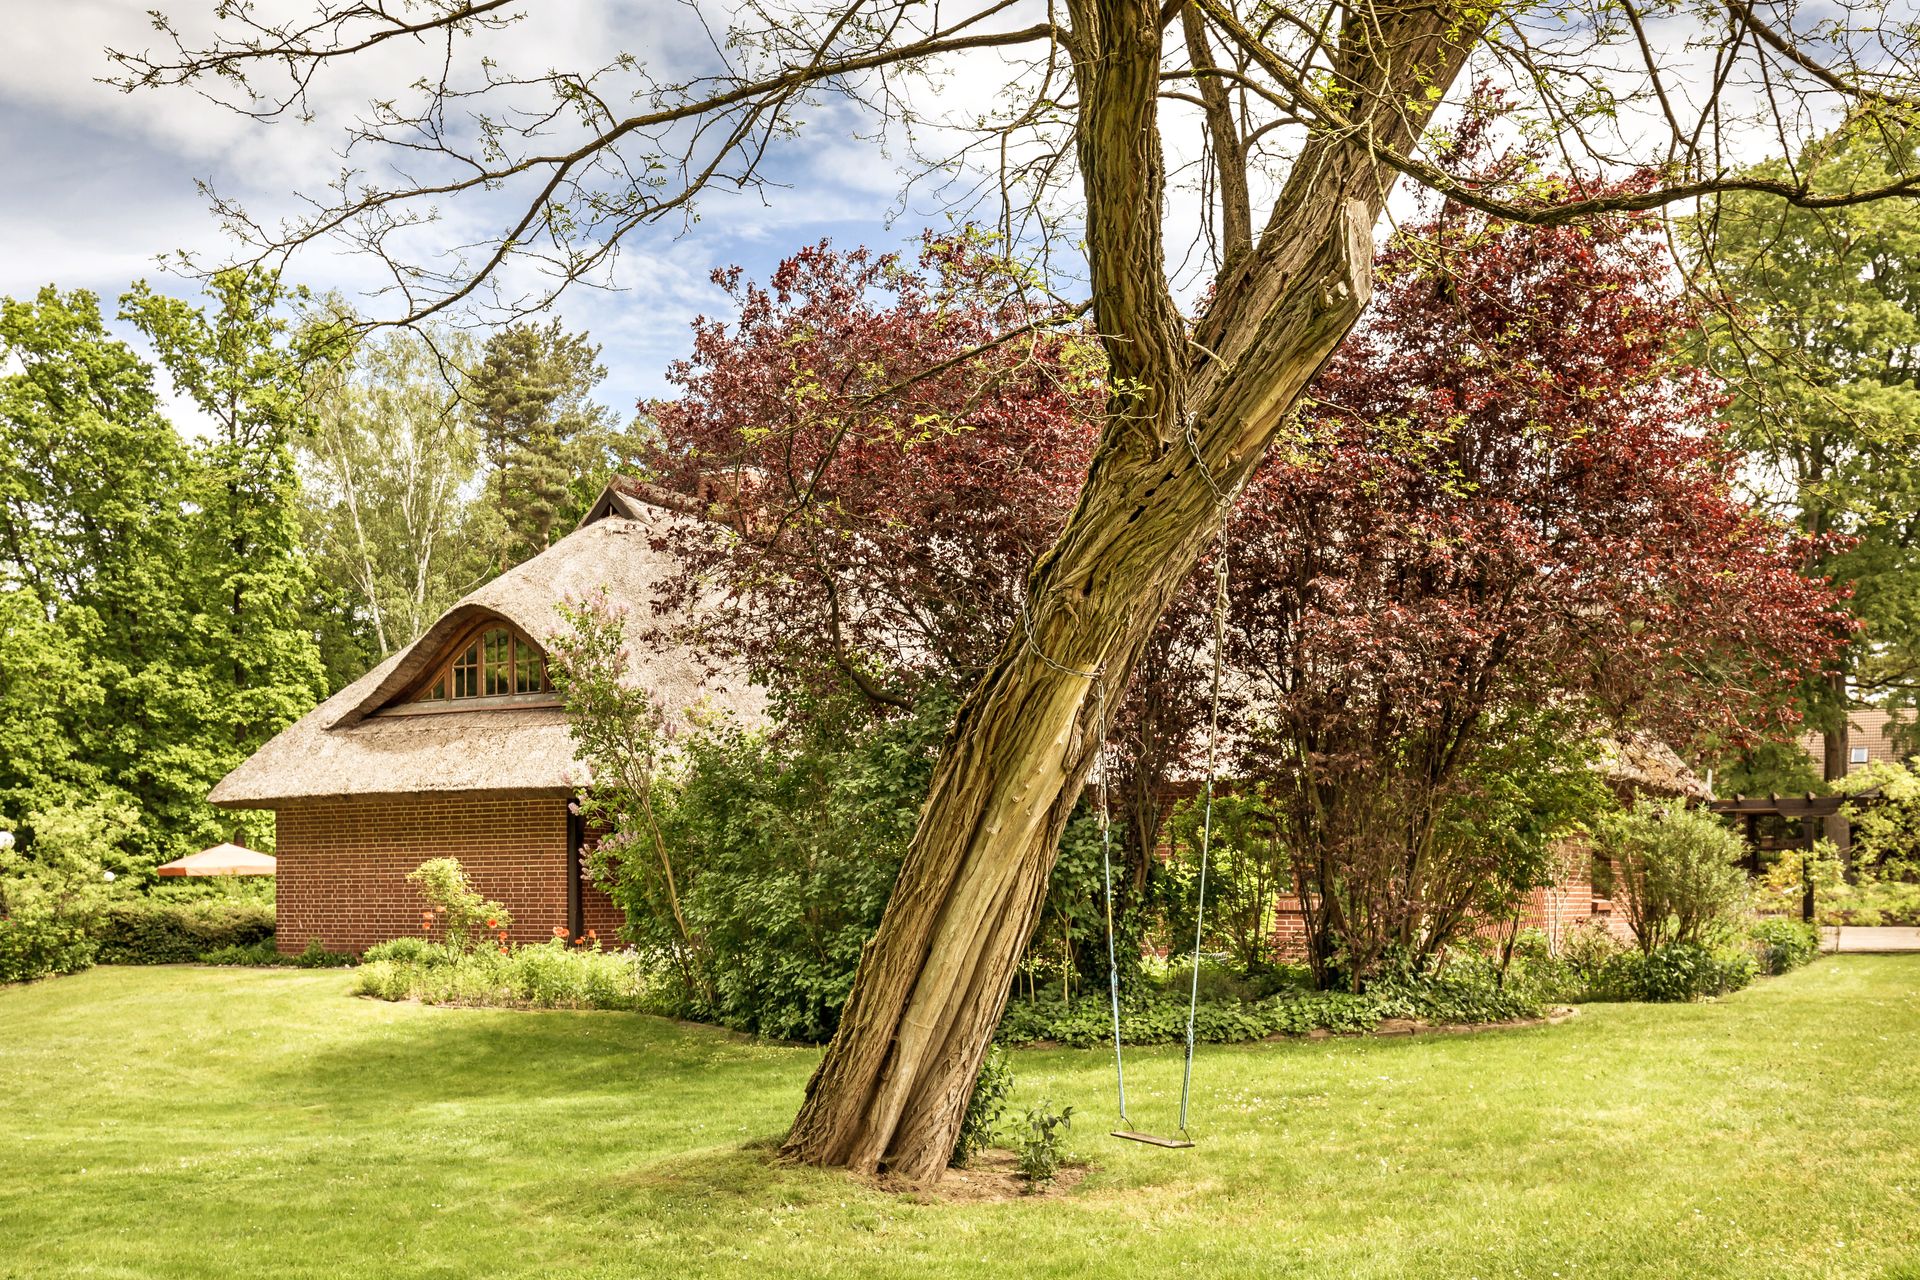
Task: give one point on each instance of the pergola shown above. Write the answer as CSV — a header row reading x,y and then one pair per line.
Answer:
x,y
1809,810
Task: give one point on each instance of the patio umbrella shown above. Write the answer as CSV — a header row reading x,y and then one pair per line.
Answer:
x,y
221,860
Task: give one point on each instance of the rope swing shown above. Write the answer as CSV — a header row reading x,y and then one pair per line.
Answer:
x,y
1200,905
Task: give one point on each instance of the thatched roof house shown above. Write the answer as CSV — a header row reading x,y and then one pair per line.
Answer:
x,y
457,745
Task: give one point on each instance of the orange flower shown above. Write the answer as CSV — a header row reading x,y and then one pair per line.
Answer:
x,y
593,935
559,931
493,924
503,951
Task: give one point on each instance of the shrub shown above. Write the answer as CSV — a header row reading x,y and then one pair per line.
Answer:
x,y
1039,1148
1468,995
551,975
50,901
157,930
1784,945
454,906
318,957
785,848
985,1108
409,951
253,954
1678,870
1674,973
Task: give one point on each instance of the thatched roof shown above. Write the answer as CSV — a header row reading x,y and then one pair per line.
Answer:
x,y
1649,767
343,748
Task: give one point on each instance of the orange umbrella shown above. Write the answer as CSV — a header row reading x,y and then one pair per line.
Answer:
x,y
221,860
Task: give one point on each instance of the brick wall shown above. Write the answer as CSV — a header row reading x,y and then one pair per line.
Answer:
x,y
1568,901
343,865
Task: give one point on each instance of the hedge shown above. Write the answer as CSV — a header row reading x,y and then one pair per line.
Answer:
x,y
156,931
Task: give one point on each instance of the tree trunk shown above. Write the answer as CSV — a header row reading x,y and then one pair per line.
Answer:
x,y
1837,753
933,981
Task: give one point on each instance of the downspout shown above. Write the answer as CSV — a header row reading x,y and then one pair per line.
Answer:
x,y
576,870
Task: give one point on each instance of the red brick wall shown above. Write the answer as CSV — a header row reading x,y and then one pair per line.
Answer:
x,y
343,865
1568,901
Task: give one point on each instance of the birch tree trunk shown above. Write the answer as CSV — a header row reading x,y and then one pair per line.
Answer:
x,y
1188,419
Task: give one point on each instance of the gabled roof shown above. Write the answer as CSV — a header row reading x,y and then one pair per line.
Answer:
x,y
343,748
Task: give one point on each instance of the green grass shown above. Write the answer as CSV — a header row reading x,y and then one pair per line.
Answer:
x,y
203,1122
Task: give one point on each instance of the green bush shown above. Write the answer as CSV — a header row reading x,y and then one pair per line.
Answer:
x,y
1039,1149
1784,945
1162,1019
1678,871
464,918
159,930
1675,973
985,1107
247,955
51,898
550,975
784,850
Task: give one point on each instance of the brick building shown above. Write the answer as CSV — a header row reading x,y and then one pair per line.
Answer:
x,y
1633,767
457,746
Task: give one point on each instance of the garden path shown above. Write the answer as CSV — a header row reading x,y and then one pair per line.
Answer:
x,y
1863,939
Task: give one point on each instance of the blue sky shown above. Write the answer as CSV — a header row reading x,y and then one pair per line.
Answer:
x,y
99,184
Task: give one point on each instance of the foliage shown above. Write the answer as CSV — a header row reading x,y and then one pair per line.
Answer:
x,y
1675,971
142,929
1781,946
387,465
1039,1142
152,590
621,734
547,446
1886,831
1677,870
51,899
1815,339
1867,901
881,506
550,975
985,1106
1162,1019
1247,868
791,844
1511,524
754,868
464,917
252,955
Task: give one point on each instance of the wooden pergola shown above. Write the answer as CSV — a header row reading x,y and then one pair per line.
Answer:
x,y
1811,811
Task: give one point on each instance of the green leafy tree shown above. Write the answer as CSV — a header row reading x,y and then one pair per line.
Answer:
x,y
243,363
93,557
1818,338
546,443
387,464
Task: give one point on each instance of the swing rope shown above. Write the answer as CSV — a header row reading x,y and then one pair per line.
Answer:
x,y
1097,676
1206,839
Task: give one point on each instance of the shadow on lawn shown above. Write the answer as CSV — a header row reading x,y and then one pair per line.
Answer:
x,y
440,1055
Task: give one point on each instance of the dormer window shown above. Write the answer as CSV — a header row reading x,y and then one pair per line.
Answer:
x,y
493,663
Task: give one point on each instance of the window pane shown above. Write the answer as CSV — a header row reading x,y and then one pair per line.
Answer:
x,y
439,691
466,673
526,668
499,662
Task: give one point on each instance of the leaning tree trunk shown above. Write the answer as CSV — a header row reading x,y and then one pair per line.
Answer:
x,y
1187,421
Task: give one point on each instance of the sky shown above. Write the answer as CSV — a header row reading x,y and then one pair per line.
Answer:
x,y
100,185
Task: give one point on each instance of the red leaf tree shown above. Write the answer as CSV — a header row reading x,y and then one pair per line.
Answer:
x,y
887,492
1508,523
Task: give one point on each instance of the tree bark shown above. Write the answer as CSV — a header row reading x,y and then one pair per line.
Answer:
x,y
1188,418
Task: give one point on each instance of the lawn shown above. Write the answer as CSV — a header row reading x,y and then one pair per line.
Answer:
x,y
207,1122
